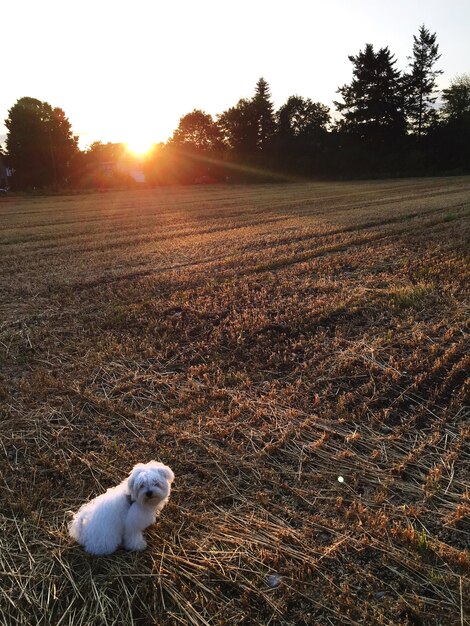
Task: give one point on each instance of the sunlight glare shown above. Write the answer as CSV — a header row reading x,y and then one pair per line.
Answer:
x,y
139,146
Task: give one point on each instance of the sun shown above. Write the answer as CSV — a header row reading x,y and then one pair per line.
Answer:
x,y
139,146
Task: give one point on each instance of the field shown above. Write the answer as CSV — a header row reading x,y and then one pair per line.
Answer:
x,y
264,341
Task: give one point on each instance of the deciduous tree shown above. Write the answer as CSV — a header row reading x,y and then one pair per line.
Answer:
x,y
40,144
239,127
301,118
197,131
456,98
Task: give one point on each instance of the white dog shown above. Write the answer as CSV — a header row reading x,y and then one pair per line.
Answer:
x,y
118,517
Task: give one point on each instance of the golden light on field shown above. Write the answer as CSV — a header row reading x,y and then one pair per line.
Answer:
x,y
317,330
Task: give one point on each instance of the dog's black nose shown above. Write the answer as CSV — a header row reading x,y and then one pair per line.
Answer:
x,y
149,494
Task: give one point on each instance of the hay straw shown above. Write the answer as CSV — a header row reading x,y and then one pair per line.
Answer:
x,y
262,341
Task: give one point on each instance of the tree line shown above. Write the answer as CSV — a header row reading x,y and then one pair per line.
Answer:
x,y
387,123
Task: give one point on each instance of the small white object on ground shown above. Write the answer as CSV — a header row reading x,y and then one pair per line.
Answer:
x,y
340,479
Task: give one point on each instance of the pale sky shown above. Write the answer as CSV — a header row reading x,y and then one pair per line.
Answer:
x,y
127,71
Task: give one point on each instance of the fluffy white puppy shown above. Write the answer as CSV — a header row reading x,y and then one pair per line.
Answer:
x,y
118,517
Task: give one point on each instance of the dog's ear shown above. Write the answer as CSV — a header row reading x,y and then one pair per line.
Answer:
x,y
168,473
136,470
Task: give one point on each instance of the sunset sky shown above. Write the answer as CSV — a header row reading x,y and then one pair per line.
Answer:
x,y
127,71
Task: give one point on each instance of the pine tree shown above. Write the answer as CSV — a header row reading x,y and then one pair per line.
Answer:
x,y
420,83
264,112
250,126
373,105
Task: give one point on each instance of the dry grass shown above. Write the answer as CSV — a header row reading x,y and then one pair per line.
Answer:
x,y
262,341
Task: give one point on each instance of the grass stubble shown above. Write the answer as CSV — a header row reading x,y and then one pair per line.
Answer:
x,y
263,341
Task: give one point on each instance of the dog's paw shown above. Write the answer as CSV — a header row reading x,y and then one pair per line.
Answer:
x,y
136,544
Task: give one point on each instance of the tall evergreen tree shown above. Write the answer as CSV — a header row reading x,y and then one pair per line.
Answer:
x,y
420,82
264,111
250,126
373,104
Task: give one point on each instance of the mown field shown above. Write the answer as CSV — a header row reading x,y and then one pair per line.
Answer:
x,y
263,341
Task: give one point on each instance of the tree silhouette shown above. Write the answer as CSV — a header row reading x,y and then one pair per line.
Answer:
x,y
373,104
264,112
456,98
301,118
301,136
39,143
420,83
252,142
451,138
249,127
239,128
197,131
